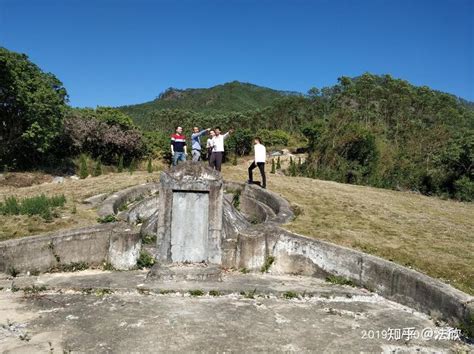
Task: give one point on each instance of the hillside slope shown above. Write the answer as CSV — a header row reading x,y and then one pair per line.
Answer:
x,y
229,97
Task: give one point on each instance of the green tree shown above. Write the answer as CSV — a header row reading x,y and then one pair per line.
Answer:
x,y
32,104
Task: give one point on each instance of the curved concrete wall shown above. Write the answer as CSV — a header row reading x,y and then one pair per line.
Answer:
x,y
297,254
115,243
111,205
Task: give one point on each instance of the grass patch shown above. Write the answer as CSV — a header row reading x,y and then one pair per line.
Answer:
x,y
267,264
106,219
338,280
215,293
12,271
244,271
37,205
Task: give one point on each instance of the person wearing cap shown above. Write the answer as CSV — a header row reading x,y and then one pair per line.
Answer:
x,y
196,143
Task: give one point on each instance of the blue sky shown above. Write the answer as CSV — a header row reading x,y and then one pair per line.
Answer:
x,y
116,52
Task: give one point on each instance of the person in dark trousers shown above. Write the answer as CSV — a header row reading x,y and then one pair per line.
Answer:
x,y
218,148
210,145
259,161
178,146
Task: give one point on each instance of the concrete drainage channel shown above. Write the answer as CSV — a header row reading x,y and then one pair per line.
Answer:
x,y
252,242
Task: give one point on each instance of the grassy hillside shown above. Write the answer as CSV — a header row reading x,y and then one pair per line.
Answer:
x,y
230,97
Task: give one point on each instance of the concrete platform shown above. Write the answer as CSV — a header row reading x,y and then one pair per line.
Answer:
x,y
124,312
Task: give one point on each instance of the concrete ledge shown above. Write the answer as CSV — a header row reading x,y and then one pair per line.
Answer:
x,y
142,210
296,254
112,204
114,243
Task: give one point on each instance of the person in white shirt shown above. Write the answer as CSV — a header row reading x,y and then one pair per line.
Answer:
x,y
210,145
259,161
218,148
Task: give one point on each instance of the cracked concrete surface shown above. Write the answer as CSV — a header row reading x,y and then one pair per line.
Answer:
x,y
105,312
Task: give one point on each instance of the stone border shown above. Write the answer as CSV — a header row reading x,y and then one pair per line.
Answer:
x,y
112,204
296,254
114,243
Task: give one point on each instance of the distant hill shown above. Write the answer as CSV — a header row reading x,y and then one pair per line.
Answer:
x,y
234,96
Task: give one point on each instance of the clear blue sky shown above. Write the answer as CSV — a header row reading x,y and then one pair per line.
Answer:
x,y
121,52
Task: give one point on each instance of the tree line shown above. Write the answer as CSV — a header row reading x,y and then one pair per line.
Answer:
x,y
371,130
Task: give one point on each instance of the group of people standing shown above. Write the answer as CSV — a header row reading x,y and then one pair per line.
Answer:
x,y
215,149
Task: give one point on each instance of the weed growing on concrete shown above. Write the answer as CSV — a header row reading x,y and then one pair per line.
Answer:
x,y
214,293
123,207
166,292
244,271
149,239
336,279
236,200
269,260
196,292
32,290
290,295
249,294
107,266
106,219
103,292
145,260
34,272
12,271
72,267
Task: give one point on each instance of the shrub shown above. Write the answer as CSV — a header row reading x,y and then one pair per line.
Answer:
x,y
120,164
132,167
145,260
149,166
39,205
273,166
83,170
97,169
278,164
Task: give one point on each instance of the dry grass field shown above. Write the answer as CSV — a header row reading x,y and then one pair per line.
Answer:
x,y
74,214
428,234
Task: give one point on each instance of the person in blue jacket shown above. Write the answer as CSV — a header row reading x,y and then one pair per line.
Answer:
x,y
196,142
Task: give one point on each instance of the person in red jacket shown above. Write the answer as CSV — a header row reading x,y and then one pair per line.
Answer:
x,y
178,146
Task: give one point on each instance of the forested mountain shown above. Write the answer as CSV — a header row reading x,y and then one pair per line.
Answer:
x,y
372,130
229,97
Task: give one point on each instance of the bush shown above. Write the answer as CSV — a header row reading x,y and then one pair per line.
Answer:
x,y
149,166
97,169
464,189
273,137
273,166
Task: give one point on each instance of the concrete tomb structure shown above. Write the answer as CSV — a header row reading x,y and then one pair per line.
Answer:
x,y
189,227
216,238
